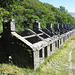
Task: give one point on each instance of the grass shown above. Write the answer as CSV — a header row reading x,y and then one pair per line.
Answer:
x,y
9,69
56,64
73,71
73,61
73,56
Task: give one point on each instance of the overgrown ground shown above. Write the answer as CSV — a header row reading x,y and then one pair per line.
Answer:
x,y
73,61
56,64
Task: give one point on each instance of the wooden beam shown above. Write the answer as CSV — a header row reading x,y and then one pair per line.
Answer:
x,y
28,36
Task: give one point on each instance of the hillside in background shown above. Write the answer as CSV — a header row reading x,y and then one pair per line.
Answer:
x,y
26,11
72,13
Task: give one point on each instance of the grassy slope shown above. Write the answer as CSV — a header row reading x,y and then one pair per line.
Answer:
x,y
56,64
73,60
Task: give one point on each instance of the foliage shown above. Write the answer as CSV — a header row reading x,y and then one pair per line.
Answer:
x,y
3,14
25,11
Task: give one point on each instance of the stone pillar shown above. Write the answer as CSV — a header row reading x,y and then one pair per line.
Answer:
x,y
65,28
51,30
61,26
66,37
49,26
69,34
12,23
8,27
36,25
53,47
48,50
56,26
43,52
39,26
36,59
61,41
56,44
41,55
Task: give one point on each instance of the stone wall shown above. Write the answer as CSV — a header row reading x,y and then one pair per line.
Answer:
x,y
31,47
21,54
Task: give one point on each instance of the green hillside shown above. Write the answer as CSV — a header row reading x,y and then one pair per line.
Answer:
x,y
25,11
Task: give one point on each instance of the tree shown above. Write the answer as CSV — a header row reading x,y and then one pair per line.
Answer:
x,y
25,11
62,9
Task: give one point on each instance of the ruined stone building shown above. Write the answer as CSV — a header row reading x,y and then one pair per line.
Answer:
x,y
31,47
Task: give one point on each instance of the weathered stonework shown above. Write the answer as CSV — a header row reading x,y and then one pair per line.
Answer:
x,y
31,47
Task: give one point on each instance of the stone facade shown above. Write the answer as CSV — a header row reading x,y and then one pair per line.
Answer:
x,y
31,47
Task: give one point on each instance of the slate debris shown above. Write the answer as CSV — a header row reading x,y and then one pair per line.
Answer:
x,y
3,72
60,55
13,73
66,64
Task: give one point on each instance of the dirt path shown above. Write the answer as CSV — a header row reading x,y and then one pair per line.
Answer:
x,y
70,58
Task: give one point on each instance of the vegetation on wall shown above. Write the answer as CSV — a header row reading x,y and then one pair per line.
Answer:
x,y
25,11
